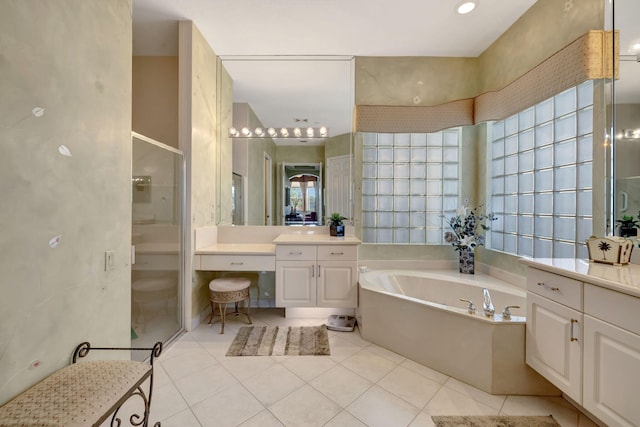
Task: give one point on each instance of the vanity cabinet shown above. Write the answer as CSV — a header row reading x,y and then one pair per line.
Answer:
x,y
316,276
553,332
611,356
585,339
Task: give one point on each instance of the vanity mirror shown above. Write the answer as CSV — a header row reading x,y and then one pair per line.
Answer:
x,y
291,92
626,114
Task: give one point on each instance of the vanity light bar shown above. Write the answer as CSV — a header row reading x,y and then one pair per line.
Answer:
x,y
309,132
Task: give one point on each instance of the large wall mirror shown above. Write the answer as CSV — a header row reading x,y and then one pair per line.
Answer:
x,y
626,115
270,173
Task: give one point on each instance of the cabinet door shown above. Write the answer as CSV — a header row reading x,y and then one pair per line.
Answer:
x,y
554,344
295,284
337,284
611,373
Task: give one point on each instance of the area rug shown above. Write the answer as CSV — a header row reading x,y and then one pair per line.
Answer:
x,y
280,341
494,421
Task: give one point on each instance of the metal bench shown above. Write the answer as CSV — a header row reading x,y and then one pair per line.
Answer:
x,y
86,393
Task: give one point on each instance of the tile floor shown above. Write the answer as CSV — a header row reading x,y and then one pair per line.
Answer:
x,y
360,384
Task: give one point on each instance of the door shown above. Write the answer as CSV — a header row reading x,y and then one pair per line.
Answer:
x,y
337,284
295,284
338,186
553,344
157,250
611,373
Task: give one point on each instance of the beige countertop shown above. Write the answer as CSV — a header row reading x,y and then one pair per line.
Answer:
x,y
623,278
315,239
238,249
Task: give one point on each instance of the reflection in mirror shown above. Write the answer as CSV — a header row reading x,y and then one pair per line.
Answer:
x,y
302,194
627,114
292,92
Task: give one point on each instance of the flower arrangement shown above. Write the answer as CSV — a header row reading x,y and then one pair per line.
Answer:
x,y
468,227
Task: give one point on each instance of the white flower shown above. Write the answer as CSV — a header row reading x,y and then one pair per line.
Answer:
x,y
461,211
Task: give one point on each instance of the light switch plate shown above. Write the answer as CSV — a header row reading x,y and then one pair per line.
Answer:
x,y
109,260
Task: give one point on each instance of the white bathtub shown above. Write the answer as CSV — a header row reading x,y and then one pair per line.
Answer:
x,y
419,315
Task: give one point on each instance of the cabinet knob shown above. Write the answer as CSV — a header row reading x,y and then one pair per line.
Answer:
x,y
295,253
337,253
573,322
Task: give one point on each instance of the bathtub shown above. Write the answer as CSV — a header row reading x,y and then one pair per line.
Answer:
x,y
419,315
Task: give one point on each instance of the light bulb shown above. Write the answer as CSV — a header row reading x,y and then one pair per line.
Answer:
x,y
310,132
246,132
297,132
284,132
465,7
323,131
259,131
272,132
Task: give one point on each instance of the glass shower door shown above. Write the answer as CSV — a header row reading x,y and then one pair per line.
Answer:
x,y
157,229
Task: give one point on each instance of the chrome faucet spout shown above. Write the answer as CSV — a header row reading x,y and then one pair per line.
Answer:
x,y
487,305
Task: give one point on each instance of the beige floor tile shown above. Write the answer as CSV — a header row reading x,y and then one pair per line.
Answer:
x,y
305,407
381,351
308,367
273,384
167,402
187,363
345,419
342,348
379,408
425,371
341,385
181,419
492,400
263,419
230,407
244,367
202,384
423,419
450,402
564,413
369,365
415,389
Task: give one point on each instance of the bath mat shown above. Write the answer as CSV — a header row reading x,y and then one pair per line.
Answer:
x,y
494,421
280,341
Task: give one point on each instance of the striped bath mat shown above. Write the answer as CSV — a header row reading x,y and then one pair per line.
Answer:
x,y
280,341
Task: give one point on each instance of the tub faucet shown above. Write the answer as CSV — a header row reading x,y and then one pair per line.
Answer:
x,y
487,305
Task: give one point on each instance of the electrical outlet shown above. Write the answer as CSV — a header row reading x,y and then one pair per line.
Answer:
x,y
109,260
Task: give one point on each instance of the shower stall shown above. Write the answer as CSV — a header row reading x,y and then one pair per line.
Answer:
x,y
157,229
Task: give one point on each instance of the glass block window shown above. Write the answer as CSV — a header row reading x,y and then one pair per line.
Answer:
x,y
409,181
541,180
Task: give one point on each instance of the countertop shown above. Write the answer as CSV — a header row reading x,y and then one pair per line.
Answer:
x,y
238,249
623,278
315,239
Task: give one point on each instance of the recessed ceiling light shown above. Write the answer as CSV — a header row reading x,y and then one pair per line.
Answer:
x,y
465,7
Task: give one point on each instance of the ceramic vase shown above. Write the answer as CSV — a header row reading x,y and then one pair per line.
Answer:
x,y
467,261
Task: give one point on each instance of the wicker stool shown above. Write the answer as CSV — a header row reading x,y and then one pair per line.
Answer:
x,y
229,289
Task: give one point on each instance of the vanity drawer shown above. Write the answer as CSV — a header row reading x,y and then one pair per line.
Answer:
x,y
296,252
613,307
237,262
337,253
557,288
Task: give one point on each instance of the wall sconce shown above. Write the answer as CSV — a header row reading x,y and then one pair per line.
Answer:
x,y
292,133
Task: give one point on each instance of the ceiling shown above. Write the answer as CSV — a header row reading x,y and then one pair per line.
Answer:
x,y
292,59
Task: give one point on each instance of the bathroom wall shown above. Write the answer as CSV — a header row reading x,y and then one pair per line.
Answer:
x,y
225,114
339,145
155,98
65,180
545,28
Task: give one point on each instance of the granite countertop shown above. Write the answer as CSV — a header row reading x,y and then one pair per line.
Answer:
x,y
238,249
623,278
315,239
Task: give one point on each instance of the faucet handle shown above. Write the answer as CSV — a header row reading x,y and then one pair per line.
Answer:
x,y
471,308
506,314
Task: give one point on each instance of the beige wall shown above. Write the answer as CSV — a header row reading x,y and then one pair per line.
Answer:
x,y
225,109
544,29
338,146
72,58
155,98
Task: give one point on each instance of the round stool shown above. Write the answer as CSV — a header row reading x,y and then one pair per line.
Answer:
x,y
152,289
229,289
